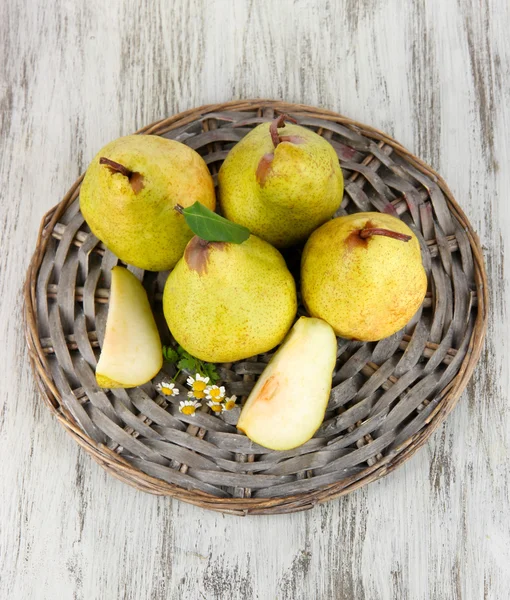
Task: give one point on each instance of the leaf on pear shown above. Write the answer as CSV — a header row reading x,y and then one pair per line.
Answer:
x,y
211,227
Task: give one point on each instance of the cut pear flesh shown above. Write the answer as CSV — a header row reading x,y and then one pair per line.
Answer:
x,y
288,402
131,354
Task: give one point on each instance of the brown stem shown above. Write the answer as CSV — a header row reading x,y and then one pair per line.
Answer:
x,y
368,232
275,124
115,167
179,209
135,179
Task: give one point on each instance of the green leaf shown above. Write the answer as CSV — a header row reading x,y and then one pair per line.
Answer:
x,y
170,355
211,372
211,227
185,361
188,364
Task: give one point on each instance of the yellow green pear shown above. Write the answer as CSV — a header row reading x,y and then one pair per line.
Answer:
x,y
224,301
129,192
363,274
281,182
288,402
131,354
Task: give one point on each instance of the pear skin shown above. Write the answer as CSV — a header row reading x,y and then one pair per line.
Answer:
x,y
128,197
282,193
288,402
367,286
131,354
224,302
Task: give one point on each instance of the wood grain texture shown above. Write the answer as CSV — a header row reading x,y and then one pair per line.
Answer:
x,y
435,75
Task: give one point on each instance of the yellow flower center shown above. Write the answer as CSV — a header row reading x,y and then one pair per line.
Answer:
x,y
198,394
188,410
215,394
216,407
199,386
229,405
167,391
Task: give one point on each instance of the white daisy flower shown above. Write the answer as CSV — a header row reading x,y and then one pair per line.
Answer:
x,y
198,386
189,407
215,393
215,406
229,403
167,389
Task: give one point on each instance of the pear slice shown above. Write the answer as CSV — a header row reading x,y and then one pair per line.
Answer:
x,y
131,354
288,402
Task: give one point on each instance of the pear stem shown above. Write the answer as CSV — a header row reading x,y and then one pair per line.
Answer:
x,y
275,124
366,233
115,167
179,209
135,179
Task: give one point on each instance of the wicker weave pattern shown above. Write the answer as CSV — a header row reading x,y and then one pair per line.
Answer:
x,y
387,397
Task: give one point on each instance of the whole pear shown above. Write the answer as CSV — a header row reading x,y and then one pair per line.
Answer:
x,y
129,192
281,182
363,274
224,302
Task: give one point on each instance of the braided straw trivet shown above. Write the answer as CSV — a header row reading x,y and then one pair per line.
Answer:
x,y
387,399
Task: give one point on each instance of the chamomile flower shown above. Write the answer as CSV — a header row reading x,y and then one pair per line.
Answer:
x,y
167,389
215,406
229,403
189,407
198,386
215,393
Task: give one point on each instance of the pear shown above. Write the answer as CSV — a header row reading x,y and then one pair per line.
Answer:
x,y
363,274
224,302
129,192
131,354
288,402
281,183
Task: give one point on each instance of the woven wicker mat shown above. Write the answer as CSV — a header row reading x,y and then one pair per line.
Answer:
x,y
387,397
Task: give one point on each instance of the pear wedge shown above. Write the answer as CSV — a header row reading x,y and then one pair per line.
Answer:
x,y
131,354
288,402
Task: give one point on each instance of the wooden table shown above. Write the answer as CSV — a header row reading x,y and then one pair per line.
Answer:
x,y
75,75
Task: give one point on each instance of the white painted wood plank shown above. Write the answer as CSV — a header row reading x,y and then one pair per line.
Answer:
x,y
75,75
